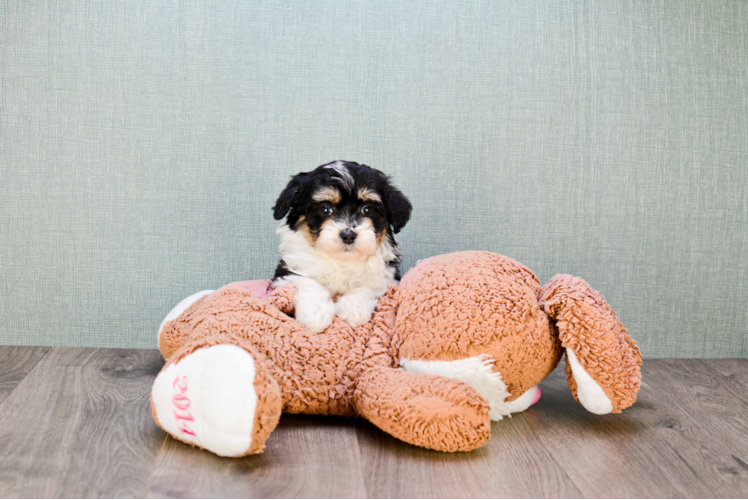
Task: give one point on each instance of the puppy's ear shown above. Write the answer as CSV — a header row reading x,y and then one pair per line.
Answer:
x,y
289,195
398,207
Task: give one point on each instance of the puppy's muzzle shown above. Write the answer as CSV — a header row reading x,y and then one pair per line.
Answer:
x,y
348,236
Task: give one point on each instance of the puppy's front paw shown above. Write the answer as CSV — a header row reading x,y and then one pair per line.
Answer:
x,y
355,310
315,314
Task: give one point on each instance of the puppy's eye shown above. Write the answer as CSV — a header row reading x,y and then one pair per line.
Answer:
x,y
327,209
366,210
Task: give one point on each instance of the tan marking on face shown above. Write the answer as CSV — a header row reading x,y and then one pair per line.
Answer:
x,y
302,227
366,194
381,236
327,194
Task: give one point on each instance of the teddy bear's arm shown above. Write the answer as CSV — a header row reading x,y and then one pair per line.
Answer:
x,y
435,412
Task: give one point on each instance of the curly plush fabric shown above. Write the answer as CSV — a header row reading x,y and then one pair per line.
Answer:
x,y
268,410
452,308
466,304
316,372
589,327
426,410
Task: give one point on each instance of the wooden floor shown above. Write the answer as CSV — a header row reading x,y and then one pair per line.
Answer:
x,y
77,423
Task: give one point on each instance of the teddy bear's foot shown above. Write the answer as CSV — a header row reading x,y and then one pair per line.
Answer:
x,y
172,336
526,400
216,397
181,307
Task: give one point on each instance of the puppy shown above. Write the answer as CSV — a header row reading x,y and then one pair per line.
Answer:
x,y
337,241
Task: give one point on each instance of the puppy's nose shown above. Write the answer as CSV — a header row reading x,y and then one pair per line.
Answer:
x,y
347,236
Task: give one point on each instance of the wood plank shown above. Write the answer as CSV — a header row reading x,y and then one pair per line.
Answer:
x,y
306,456
711,394
512,464
79,425
654,449
15,363
734,371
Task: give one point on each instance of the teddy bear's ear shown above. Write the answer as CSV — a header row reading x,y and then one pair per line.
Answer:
x,y
603,362
289,196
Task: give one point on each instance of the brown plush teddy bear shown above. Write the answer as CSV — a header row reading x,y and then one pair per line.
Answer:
x,y
465,338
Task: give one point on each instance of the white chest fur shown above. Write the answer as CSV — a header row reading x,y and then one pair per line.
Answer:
x,y
338,277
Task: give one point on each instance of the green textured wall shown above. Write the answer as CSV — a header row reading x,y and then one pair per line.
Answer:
x,y
144,143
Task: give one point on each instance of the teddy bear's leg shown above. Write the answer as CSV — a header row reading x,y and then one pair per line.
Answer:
x,y
435,412
215,393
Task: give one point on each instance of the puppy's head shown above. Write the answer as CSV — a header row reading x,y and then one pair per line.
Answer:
x,y
345,210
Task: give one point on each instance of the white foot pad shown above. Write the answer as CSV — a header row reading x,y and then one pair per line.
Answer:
x,y
526,400
589,392
208,398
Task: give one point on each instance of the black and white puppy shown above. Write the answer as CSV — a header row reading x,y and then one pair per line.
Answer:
x,y
337,241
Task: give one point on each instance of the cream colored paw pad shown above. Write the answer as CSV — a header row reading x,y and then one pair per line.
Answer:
x,y
208,399
526,400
